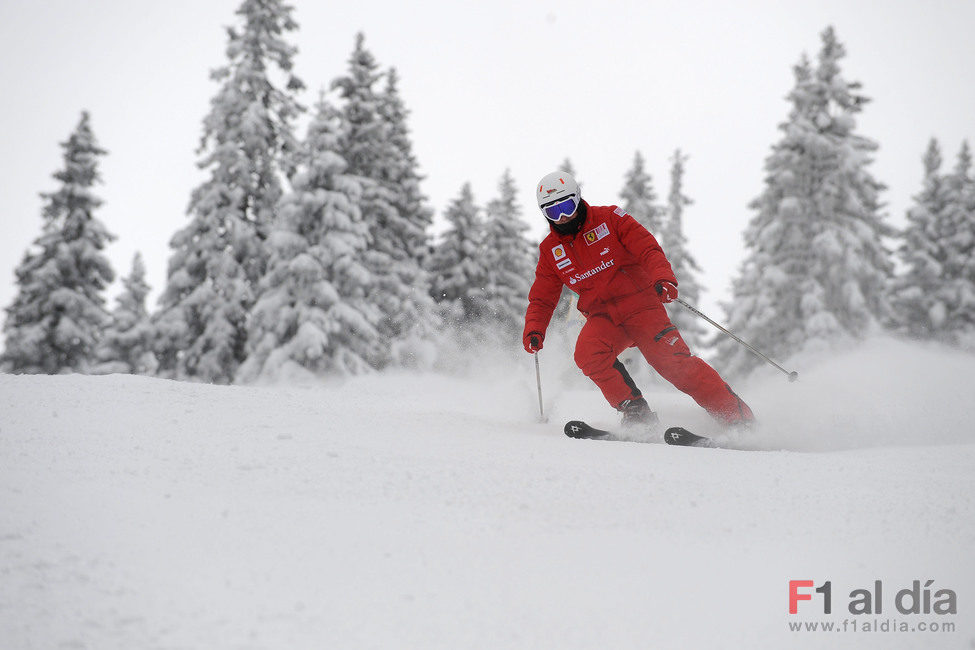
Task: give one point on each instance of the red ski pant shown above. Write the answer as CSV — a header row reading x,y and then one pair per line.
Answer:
x,y
601,341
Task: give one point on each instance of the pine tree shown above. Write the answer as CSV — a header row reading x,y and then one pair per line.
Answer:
x,y
376,145
640,200
817,268
953,310
402,174
313,316
510,259
247,146
126,345
922,253
410,244
685,266
56,318
458,266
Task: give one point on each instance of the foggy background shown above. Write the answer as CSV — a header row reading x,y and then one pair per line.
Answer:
x,y
490,86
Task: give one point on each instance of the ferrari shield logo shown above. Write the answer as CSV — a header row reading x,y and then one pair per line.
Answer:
x,y
596,234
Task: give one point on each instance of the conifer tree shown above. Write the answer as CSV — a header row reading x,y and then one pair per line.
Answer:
x,y
402,174
220,256
952,311
126,345
409,238
510,259
376,145
640,200
817,269
56,318
313,315
458,266
683,263
922,253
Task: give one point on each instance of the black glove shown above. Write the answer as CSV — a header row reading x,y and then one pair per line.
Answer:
x,y
533,342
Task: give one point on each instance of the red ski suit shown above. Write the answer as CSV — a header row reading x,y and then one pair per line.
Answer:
x,y
613,263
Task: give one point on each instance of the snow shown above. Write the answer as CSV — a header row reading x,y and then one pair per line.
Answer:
x,y
432,511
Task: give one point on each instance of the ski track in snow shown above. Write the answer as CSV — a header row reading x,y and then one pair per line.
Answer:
x,y
426,511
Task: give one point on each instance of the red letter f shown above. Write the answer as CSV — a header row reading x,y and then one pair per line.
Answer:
x,y
795,596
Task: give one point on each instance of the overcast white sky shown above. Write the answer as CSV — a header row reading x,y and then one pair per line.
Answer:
x,y
491,85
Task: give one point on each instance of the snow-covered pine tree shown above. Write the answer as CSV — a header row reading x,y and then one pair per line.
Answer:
x,y
511,262
415,322
639,199
817,268
126,344
313,316
922,253
953,309
402,174
247,146
56,318
376,145
567,166
458,267
685,266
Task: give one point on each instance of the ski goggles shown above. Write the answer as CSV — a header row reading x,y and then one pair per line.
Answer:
x,y
562,207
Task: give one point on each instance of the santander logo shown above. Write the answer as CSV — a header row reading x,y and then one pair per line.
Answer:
x,y
579,277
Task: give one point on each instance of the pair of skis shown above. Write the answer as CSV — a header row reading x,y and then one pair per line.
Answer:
x,y
673,436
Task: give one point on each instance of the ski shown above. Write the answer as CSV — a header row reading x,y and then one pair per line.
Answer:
x,y
682,437
582,431
678,436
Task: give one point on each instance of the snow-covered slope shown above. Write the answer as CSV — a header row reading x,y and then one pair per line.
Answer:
x,y
426,511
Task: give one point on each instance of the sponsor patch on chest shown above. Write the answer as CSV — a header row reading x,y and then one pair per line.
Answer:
x,y
596,234
562,260
579,277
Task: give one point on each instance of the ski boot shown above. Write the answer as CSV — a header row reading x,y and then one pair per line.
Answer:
x,y
637,415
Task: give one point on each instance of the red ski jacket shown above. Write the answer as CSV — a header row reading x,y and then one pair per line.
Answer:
x,y
612,262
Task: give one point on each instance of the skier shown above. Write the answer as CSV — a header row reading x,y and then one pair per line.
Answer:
x,y
623,278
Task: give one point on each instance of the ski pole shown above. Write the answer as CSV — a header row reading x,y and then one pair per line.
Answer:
x,y
538,380
792,375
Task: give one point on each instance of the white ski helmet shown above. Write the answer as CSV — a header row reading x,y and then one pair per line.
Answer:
x,y
555,188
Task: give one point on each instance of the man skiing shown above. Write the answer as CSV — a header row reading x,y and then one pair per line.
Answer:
x,y
623,278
